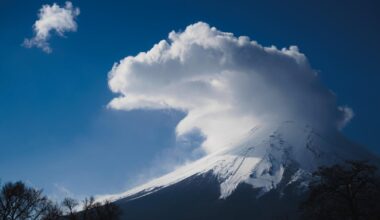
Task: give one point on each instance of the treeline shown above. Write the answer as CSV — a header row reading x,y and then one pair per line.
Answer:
x,y
20,202
349,191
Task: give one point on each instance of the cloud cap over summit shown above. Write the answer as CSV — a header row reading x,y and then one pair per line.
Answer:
x,y
225,84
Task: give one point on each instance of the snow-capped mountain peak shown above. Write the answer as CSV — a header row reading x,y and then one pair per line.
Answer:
x,y
260,159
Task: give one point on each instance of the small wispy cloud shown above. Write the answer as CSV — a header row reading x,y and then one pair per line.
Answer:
x,y
52,18
62,190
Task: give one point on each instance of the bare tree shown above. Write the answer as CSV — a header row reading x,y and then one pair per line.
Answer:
x,y
93,210
88,205
350,191
19,202
107,211
69,205
53,212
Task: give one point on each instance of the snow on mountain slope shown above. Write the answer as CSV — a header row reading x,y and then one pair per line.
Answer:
x,y
260,159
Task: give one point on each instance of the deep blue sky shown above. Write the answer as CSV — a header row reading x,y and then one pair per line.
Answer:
x,y
55,129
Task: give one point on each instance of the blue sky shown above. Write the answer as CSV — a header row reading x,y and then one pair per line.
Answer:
x,y
56,132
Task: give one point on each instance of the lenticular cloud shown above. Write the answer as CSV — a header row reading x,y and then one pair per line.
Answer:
x,y
226,85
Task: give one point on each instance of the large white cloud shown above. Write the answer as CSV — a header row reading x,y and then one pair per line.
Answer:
x,y
226,84
52,18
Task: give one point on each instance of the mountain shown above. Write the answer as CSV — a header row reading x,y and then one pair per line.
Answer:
x,y
263,176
